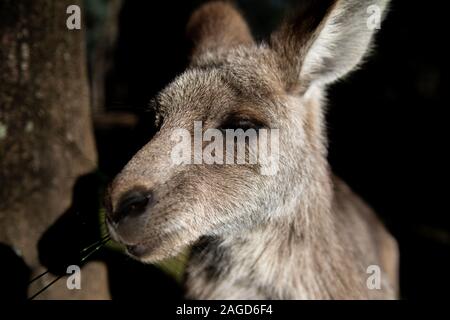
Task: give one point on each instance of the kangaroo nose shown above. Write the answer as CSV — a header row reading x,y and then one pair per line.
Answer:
x,y
132,204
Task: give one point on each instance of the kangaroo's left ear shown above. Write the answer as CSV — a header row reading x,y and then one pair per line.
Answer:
x,y
325,40
217,25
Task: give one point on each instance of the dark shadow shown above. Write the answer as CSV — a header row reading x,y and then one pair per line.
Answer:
x,y
151,50
78,227
15,275
133,280
387,124
117,144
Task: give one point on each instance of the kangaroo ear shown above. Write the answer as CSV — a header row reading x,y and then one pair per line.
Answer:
x,y
217,25
325,40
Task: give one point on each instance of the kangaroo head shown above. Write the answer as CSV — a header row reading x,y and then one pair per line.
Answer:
x,y
156,207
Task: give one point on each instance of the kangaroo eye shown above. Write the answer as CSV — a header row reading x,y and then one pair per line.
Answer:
x,y
241,122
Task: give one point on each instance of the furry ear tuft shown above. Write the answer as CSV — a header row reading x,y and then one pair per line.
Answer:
x,y
324,41
215,26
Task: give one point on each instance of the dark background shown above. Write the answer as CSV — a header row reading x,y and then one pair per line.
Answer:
x,y
386,122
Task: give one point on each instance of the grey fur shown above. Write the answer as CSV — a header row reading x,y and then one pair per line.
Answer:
x,y
301,234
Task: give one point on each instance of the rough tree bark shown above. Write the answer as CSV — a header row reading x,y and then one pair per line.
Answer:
x,y
46,139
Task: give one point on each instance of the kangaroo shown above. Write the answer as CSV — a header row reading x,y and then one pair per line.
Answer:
x,y
298,234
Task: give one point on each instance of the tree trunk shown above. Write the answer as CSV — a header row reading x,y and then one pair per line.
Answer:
x,y
46,139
